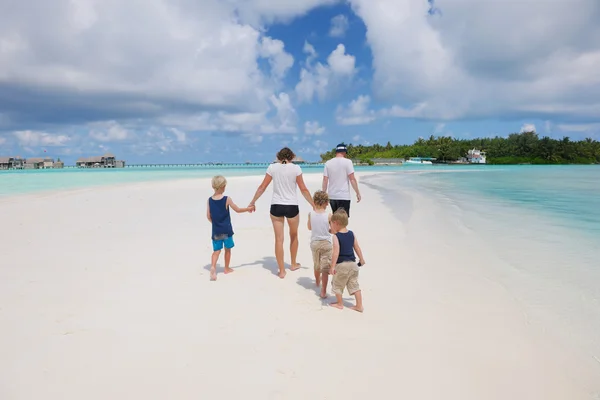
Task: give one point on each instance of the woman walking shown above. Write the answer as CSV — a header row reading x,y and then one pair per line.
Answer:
x,y
287,178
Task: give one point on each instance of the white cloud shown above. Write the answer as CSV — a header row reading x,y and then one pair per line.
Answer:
x,y
439,129
279,60
150,59
356,138
466,62
357,112
313,128
43,139
310,50
284,119
322,79
528,128
109,131
2,141
339,26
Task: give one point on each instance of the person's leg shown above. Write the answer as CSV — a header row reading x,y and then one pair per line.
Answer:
x,y
278,230
324,282
340,280
325,263
354,289
293,225
359,304
333,205
213,264
228,246
315,254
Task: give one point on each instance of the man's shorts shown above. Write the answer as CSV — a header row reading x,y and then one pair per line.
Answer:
x,y
321,251
346,276
223,240
335,204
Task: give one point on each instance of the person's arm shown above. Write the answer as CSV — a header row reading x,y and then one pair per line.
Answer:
x,y
354,184
208,212
304,190
325,179
334,254
261,189
329,220
309,227
237,209
358,251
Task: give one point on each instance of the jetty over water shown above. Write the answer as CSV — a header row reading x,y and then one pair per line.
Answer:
x,y
209,165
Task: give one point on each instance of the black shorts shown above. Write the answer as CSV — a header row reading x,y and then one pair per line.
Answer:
x,y
345,204
284,210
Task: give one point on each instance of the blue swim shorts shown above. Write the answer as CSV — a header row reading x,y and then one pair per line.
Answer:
x,y
227,242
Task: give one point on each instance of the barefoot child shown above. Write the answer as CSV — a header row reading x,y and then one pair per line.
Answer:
x,y
343,264
217,212
320,240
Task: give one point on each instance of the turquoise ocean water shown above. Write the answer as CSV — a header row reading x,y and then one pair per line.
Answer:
x,y
532,230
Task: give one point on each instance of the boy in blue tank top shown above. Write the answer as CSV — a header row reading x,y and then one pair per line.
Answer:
x,y
217,212
343,262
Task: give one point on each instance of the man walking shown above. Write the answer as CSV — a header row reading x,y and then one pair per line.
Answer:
x,y
337,178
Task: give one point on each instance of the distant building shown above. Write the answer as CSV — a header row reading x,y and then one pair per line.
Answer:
x,y
58,164
11,163
476,157
106,161
39,163
5,162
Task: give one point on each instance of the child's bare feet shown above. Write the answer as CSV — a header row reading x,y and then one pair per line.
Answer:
x,y
357,308
337,305
228,270
282,274
295,267
213,274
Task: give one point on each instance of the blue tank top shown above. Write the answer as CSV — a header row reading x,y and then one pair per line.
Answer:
x,y
346,247
221,219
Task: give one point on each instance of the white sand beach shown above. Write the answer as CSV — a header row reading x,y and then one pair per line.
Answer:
x,y
105,294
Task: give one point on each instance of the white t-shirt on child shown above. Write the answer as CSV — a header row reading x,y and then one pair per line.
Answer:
x,y
319,226
284,183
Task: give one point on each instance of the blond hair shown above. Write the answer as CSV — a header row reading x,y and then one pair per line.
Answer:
x,y
341,217
218,182
321,198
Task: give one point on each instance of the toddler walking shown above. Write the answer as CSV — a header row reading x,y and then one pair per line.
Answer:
x,y
343,264
320,240
217,212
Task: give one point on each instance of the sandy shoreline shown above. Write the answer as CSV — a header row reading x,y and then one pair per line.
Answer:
x,y
106,294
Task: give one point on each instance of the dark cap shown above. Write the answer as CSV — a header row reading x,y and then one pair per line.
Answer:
x,y
341,148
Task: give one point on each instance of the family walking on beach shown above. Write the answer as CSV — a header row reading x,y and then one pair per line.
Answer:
x,y
333,245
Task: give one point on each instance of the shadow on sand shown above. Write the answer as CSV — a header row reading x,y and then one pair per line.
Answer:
x,y
309,284
268,263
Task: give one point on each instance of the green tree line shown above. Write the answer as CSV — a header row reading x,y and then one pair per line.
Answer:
x,y
517,148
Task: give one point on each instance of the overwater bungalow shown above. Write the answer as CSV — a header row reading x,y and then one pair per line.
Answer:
x,y
106,161
38,163
11,163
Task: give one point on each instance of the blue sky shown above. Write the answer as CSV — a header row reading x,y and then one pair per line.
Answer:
x,y
212,81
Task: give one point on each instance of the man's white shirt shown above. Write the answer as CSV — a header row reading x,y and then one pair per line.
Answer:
x,y
337,170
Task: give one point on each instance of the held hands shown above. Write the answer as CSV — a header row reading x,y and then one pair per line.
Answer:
x,y
251,208
332,271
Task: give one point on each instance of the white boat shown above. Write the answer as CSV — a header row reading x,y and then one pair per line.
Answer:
x,y
418,160
476,157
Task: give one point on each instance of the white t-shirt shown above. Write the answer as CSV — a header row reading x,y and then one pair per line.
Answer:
x,y
284,183
337,170
319,226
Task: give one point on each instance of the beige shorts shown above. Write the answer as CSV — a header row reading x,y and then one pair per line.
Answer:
x,y
346,276
321,251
